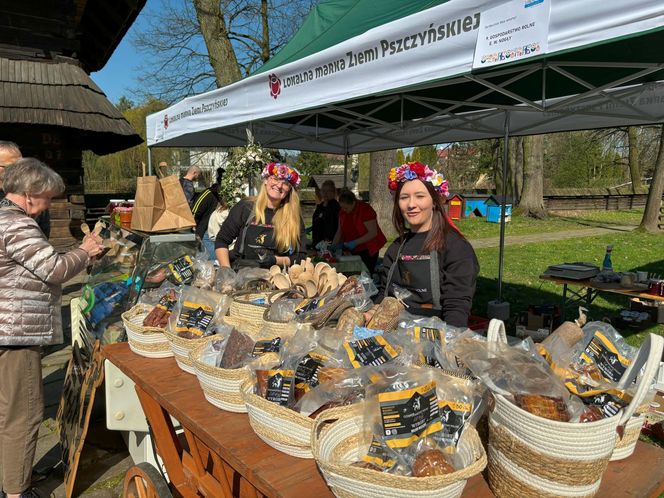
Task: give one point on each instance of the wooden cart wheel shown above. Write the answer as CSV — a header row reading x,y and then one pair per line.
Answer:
x,y
144,481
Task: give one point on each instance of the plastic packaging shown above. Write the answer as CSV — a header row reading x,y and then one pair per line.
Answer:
x,y
522,377
204,272
604,348
226,280
403,423
198,313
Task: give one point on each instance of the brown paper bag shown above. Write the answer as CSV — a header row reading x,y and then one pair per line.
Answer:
x,y
160,205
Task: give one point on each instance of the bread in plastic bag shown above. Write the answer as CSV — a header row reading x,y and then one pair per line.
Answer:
x,y
403,427
522,376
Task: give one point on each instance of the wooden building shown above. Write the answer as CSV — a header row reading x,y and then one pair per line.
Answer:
x,y
49,105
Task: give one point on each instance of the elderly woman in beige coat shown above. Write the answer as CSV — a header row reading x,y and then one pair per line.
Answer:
x,y
31,278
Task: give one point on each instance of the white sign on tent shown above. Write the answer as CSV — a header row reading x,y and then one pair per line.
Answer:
x,y
513,31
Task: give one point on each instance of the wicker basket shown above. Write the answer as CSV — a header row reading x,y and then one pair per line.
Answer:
x,y
221,386
252,327
181,348
243,308
533,457
336,444
280,427
145,341
626,444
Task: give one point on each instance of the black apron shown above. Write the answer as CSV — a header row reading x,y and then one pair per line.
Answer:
x,y
255,240
420,274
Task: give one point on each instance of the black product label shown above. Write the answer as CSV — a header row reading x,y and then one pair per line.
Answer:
x,y
167,301
195,318
432,337
603,353
280,386
306,374
264,346
454,416
428,334
182,269
409,415
379,455
608,403
371,351
309,305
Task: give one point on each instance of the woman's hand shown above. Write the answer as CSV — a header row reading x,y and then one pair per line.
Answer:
x,y
92,244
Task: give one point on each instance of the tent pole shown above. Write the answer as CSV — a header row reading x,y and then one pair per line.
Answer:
x,y
345,161
150,161
502,205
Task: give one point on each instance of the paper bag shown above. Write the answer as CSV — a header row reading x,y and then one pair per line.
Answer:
x,y
160,205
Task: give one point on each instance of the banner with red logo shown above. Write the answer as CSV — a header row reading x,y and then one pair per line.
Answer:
x,y
432,45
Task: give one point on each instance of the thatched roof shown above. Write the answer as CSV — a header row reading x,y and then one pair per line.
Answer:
x,y
60,93
86,30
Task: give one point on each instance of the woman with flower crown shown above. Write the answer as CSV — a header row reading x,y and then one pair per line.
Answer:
x,y
267,229
431,258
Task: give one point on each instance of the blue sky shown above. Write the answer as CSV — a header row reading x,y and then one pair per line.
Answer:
x,y
118,76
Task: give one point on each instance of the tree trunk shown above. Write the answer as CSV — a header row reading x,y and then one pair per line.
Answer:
x,y
379,195
634,170
265,22
532,197
651,215
213,28
516,155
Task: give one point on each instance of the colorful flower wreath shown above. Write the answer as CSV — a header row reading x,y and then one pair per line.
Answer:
x,y
281,171
416,170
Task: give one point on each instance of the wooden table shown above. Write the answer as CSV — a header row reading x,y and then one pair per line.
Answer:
x,y
223,457
589,291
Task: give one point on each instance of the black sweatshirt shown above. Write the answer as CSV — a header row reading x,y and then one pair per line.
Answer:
x,y
235,223
325,221
458,268
202,208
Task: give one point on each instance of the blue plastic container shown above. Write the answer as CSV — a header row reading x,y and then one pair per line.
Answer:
x,y
493,213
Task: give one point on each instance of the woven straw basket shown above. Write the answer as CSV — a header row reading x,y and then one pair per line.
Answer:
x,y
534,457
336,444
181,348
242,307
145,341
280,427
626,445
221,386
252,327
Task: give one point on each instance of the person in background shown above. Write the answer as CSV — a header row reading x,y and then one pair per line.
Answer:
x,y
9,154
358,230
203,206
267,229
325,220
431,258
187,182
31,277
217,219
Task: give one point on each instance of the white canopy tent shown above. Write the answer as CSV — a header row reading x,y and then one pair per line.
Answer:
x,y
461,70
592,75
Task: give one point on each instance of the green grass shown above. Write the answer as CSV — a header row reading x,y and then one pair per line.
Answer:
x,y
627,217
524,263
479,228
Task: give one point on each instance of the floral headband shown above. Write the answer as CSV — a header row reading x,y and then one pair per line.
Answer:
x,y
419,171
283,172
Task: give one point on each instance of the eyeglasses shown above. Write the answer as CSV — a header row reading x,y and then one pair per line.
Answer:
x,y
281,182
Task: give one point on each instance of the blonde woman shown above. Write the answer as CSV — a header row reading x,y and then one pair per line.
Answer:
x,y
268,229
